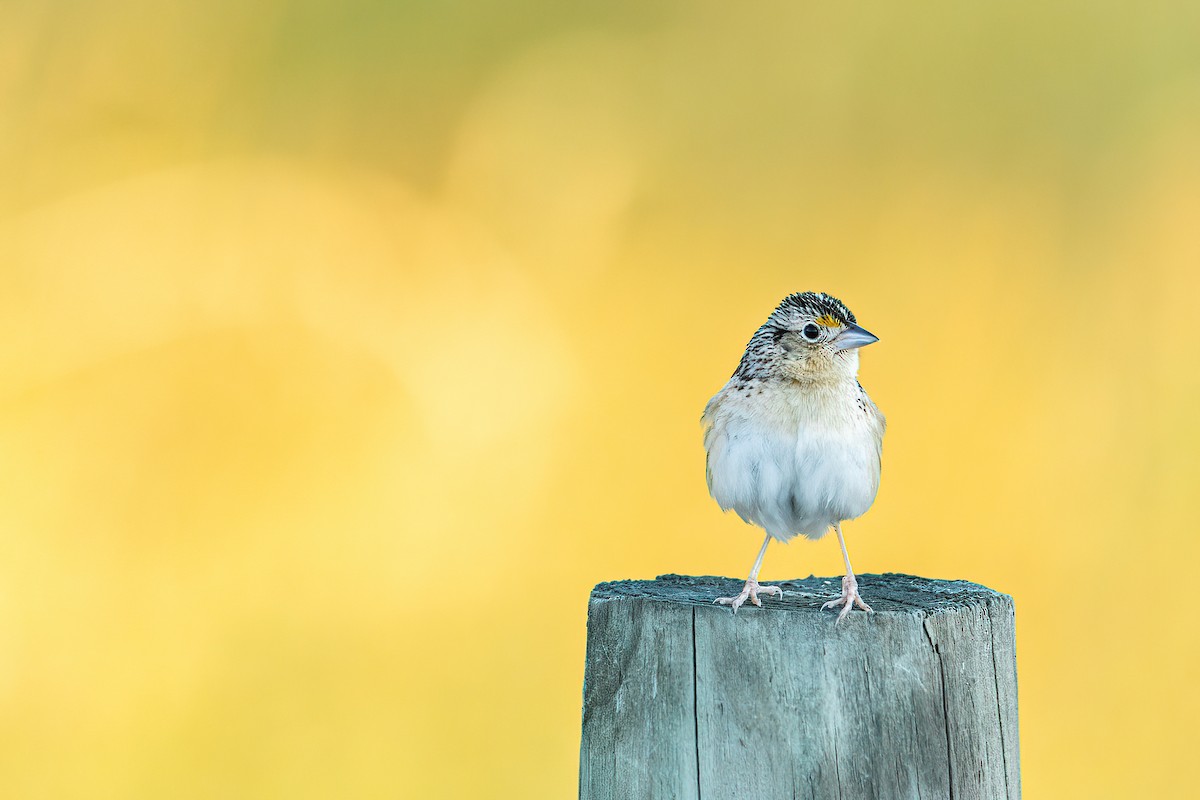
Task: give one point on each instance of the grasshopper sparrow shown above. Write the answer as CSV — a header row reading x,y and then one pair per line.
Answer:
x,y
793,440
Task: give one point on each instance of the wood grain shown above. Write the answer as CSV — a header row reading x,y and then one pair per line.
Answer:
x,y
682,699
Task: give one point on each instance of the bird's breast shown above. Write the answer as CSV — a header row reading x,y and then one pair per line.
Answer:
x,y
793,461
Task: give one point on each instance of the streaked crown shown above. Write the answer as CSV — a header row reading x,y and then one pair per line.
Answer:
x,y
802,324
818,307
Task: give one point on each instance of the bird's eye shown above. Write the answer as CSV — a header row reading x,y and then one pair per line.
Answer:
x,y
811,332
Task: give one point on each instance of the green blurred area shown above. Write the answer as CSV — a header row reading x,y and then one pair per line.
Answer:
x,y
764,98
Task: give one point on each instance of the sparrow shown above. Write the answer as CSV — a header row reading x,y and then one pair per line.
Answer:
x,y
793,441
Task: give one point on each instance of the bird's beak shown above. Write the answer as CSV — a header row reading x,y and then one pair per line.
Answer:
x,y
852,337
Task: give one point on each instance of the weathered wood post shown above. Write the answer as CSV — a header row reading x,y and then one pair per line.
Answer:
x,y
681,699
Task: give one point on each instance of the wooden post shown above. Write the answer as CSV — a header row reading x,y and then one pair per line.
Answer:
x,y
682,699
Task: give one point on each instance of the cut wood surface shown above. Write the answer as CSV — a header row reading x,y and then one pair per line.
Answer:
x,y
683,699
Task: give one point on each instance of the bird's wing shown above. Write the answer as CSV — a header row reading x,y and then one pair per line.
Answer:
x,y
714,439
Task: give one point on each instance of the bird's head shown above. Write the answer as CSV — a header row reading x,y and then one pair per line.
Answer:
x,y
810,336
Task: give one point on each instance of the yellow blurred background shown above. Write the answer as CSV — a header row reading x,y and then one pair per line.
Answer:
x,y
346,345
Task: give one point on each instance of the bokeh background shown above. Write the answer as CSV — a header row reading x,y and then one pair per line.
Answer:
x,y
346,345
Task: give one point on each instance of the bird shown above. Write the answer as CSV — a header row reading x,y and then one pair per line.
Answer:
x,y
793,441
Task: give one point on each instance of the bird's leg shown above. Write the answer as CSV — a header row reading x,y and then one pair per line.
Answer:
x,y
849,598
752,588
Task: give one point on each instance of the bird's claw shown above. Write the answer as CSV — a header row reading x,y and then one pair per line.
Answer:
x,y
849,599
750,590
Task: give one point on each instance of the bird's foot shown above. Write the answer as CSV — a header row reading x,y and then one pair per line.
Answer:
x,y
849,599
751,590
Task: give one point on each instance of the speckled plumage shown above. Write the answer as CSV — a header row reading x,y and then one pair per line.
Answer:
x,y
765,350
793,440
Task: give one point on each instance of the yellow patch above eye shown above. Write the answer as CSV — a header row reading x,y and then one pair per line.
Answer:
x,y
828,321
